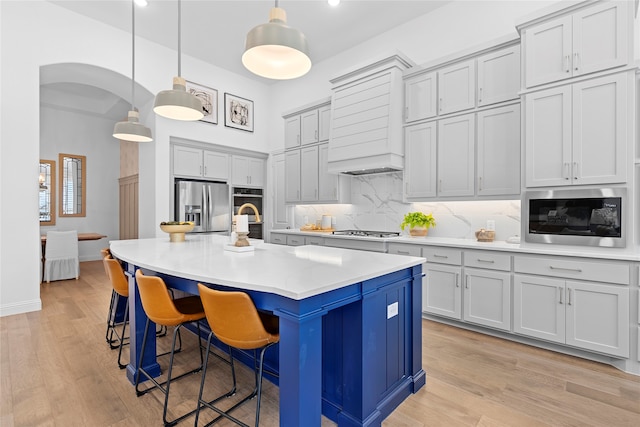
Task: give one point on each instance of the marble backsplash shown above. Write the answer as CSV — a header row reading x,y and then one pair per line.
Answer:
x,y
376,204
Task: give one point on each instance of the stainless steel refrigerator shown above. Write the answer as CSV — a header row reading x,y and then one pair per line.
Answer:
x,y
204,203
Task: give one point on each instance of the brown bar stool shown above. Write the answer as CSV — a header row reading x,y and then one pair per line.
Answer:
x,y
120,286
165,311
234,320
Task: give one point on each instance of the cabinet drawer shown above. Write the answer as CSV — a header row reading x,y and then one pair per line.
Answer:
x,y
314,240
278,239
442,255
486,259
592,270
295,240
404,249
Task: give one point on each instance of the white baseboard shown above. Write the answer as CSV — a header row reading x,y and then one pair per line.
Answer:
x,y
20,307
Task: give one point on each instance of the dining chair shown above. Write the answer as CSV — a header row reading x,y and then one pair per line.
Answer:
x,y
120,286
166,311
61,256
235,321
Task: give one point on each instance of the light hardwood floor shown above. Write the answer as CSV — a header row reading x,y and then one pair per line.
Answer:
x,y
57,370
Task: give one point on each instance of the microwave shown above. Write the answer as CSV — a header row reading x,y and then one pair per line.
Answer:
x,y
586,217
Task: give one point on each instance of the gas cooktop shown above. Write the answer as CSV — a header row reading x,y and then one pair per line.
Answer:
x,y
366,233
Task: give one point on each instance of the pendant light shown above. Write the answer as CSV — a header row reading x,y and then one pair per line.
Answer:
x,y
276,51
132,130
177,103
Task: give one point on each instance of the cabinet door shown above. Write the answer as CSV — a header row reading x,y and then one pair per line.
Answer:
x,y
539,307
599,130
548,51
420,160
240,170
187,161
292,176
327,182
256,172
456,159
499,76
456,87
309,174
548,137
309,127
420,97
499,151
278,239
443,291
216,165
600,38
292,132
487,298
280,211
324,122
598,317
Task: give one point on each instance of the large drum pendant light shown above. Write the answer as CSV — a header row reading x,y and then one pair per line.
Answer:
x,y
275,50
177,103
131,129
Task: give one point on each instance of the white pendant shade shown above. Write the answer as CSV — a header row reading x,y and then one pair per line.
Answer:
x,y
275,50
177,103
132,130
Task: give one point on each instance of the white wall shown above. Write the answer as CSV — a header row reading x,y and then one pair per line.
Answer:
x,y
49,34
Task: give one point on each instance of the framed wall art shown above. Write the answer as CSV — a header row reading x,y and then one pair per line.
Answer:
x,y
238,112
209,98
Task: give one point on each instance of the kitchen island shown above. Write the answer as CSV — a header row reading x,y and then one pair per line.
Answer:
x,y
350,321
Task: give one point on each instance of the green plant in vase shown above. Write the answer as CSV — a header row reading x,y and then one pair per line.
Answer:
x,y
418,223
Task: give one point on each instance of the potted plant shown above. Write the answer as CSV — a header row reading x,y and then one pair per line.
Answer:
x,y
418,223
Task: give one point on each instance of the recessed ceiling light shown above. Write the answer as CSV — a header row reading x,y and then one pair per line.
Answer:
x,y
143,3
333,2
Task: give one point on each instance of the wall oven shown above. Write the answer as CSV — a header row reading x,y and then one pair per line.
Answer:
x,y
589,217
254,197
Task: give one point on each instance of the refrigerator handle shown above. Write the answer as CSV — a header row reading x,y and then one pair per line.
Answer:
x,y
204,216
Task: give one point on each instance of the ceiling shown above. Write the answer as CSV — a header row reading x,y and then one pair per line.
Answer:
x,y
214,30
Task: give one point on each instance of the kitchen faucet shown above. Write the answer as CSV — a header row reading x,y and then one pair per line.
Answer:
x,y
252,206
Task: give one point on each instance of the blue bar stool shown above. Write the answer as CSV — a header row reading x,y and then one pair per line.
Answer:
x,y
235,321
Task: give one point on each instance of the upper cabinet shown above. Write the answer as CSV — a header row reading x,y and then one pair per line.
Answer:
x,y
198,163
308,126
473,81
592,39
247,171
457,87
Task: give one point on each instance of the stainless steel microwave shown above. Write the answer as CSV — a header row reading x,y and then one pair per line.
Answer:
x,y
588,217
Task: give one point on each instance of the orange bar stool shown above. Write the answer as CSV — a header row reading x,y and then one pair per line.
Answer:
x,y
165,311
120,286
234,320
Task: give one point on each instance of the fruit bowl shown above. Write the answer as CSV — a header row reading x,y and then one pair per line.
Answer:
x,y
176,229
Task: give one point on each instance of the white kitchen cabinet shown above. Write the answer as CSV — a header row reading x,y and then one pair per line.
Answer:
x,y
420,167
592,39
442,294
280,210
498,150
278,238
499,76
292,176
309,127
456,87
456,156
199,163
247,171
576,134
420,97
565,300
324,123
292,132
295,240
332,188
309,174
487,298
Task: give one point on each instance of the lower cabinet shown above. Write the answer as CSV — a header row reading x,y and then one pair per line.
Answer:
x,y
487,298
442,293
589,315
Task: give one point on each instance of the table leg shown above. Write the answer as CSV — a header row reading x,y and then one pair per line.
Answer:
x,y
300,370
137,321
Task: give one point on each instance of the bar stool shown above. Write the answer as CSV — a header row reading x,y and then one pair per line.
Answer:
x,y
163,310
120,286
234,320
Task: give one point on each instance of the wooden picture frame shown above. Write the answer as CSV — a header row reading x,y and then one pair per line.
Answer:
x,y
238,112
72,185
209,98
47,192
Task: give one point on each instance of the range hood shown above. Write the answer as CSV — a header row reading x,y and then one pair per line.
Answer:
x,y
366,118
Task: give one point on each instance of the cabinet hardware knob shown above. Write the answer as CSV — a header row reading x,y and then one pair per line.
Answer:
x,y
568,296
575,170
567,68
576,58
440,256
560,292
490,261
575,270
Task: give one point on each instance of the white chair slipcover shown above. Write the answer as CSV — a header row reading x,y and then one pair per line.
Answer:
x,y
61,256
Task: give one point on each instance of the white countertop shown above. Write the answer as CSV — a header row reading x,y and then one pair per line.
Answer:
x,y
622,254
293,272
